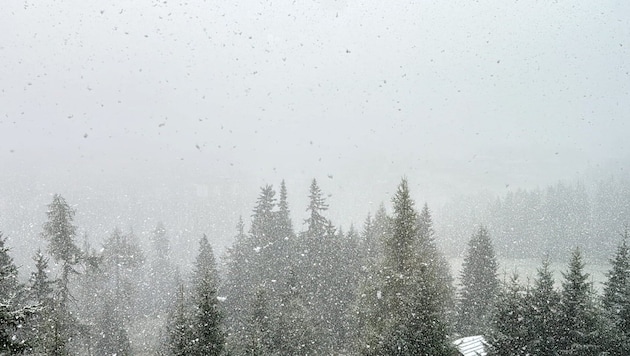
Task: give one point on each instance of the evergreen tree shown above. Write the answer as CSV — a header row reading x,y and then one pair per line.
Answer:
x,y
284,224
324,270
259,336
111,279
297,330
511,334
429,252
60,233
41,295
407,314
209,338
41,287
121,260
238,284
257,260
316,223
263,222
616,300
9,285
542,317
13,313
179,327
479,285
376,231
93,290
579,324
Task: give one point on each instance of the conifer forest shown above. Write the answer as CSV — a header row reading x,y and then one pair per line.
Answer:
x,y
314,178
383,288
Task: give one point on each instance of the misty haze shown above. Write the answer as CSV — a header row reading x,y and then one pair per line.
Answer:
x,y
314,178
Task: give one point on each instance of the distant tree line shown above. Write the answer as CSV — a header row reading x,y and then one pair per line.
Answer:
x,y
544,221
383,290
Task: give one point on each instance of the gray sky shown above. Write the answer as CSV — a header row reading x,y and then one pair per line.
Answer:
x,y
218,98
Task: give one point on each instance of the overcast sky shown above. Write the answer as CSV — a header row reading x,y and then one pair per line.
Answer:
x,y
221,97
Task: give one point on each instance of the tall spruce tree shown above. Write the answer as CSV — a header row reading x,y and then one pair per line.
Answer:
x,y
237,285
543,314
284,224
579,321
316,223
479,285
259,336
60,233
407,314
121,260
428,250
114,275
209,338
180,337
263,218
616,300
41,295
296,332
510,334
13,313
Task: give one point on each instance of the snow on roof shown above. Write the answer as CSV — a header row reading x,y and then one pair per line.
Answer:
x,y
471,345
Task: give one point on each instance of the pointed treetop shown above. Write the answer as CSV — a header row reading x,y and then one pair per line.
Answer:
x,y
8,272
316,223
400,245
285,226
205,264
544,280
60,232
41,287
283,205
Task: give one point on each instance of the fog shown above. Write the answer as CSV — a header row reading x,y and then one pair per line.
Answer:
x,y
179,112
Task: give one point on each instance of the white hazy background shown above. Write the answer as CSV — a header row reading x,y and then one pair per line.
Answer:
x,y
146,111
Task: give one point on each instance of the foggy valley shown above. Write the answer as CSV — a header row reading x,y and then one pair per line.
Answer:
x,y
315,178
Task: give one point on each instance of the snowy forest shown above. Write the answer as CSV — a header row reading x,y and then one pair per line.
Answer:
x,y
384,288
316,177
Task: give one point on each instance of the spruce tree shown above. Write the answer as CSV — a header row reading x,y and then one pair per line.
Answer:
x,y
60,233
428,251
543,315
616,300
405,315
111,277
316,223
510,334
297,332
284,224
578,320
259,338
479,285
41,295
121,259
13,313
179,327
263,222
40,284
238,284
209,338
